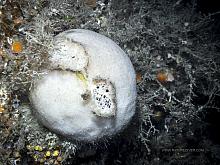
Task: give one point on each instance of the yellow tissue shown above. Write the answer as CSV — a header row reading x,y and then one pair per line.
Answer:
x,y
81,77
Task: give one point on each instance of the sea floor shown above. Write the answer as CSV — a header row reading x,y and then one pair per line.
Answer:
x,y
174,48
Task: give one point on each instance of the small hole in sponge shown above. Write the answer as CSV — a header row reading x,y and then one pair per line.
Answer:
x,y
107,90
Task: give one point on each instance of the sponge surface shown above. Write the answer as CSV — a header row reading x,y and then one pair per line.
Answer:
x,y
99,101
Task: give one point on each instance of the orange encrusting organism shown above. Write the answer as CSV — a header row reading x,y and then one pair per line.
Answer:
x,y
1,108
17,47
138,77
162,76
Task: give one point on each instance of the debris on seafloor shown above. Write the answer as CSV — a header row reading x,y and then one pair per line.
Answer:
x,y
170,77
91,3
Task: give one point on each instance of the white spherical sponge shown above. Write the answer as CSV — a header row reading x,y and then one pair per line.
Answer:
x,y
90,90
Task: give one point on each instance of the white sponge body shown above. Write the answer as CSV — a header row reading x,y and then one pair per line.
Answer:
x,y
68,104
